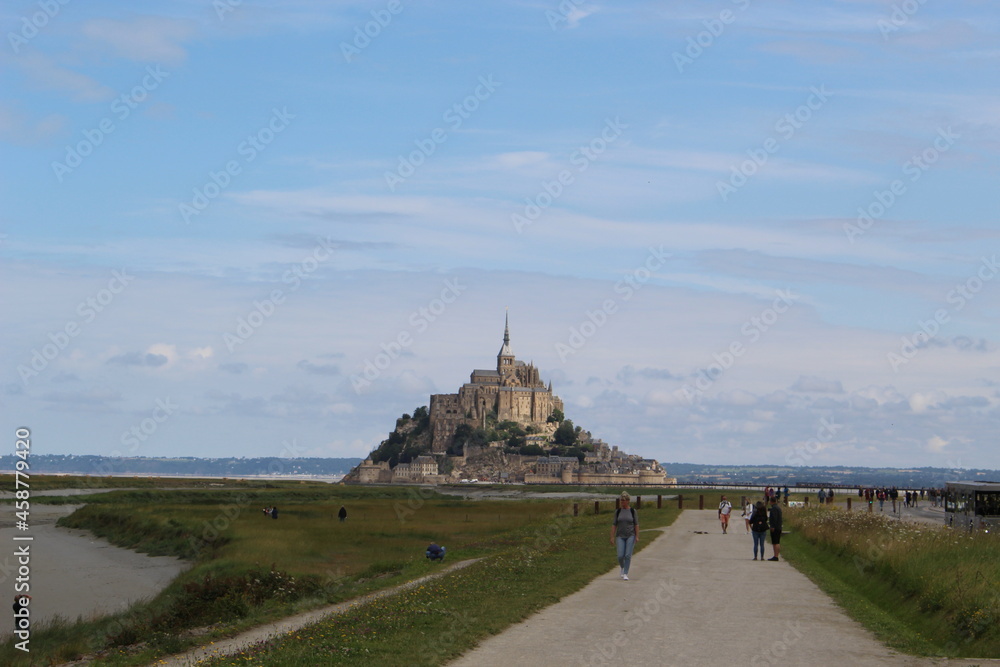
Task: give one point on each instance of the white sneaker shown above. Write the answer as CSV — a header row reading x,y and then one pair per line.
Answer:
x,y
625,577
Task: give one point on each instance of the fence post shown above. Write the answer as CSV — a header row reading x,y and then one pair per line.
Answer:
x,y
680,501
659,502
848,503
576,509
701,501
597,507
807,501
638,502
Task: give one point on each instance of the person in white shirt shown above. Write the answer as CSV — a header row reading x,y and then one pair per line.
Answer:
x,y
748,514
725,507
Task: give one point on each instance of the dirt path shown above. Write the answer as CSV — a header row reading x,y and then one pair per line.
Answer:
x,y
292,623
695,598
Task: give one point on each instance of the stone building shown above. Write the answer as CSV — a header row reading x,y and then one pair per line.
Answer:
x,y
373,473
514,391
415,471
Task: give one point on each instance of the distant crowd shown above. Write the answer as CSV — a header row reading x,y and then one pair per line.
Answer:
x,y
908,498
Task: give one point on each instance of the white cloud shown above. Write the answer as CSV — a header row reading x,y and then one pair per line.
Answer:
x,y
18,128
936,444
43,72
146,38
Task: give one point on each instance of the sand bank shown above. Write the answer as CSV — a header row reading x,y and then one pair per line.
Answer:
x,y
74,574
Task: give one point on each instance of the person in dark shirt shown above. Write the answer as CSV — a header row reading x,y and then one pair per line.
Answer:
x,y
774,522
342,514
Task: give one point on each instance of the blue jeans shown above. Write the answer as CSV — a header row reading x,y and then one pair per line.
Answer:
x,y
624,546
758,539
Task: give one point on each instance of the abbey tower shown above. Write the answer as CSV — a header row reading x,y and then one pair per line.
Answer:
x,y
514,391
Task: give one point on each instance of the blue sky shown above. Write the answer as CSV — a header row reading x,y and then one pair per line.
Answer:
x,y
731,231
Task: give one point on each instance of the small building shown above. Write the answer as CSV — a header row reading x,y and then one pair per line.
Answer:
x,y
552,466
972,505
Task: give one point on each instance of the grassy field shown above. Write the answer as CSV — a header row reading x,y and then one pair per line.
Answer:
x,y
249,569
922,589
444,618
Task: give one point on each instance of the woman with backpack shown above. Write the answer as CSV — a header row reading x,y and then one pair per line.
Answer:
x,y
624,532
758,528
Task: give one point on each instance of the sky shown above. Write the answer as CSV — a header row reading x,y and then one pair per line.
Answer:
x,y
733,231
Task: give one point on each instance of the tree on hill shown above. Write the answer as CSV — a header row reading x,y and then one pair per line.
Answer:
x,y
565,435
556,417
467,435
407,441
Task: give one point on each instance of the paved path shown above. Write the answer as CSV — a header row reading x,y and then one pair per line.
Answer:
x,y
693,599
293,623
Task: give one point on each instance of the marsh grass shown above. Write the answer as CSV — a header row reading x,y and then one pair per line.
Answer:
x,y
248,568
922,589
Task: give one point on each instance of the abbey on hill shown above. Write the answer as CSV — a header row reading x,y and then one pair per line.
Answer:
x,y
513,392
503,425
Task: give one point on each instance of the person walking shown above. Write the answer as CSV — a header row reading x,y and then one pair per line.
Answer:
x,y
758,528
342,514
748,510
774,523
624,533
725,509
274,512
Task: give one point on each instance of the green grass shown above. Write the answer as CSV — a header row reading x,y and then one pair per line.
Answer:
x,y
249,569
442,619
923,590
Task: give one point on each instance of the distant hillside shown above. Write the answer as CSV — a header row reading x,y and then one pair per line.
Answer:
x,y
225,467
691,473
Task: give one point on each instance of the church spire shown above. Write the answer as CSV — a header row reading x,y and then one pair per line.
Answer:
x,y
505,351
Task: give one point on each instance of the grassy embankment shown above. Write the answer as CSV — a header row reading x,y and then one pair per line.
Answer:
x,y
921,589
444,618
249,569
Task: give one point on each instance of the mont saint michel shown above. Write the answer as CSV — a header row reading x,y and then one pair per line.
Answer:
x,y
503,425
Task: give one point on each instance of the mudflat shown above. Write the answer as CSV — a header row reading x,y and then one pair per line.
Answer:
x,y
74,574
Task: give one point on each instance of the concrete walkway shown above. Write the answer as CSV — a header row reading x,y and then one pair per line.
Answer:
x,y
693,599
